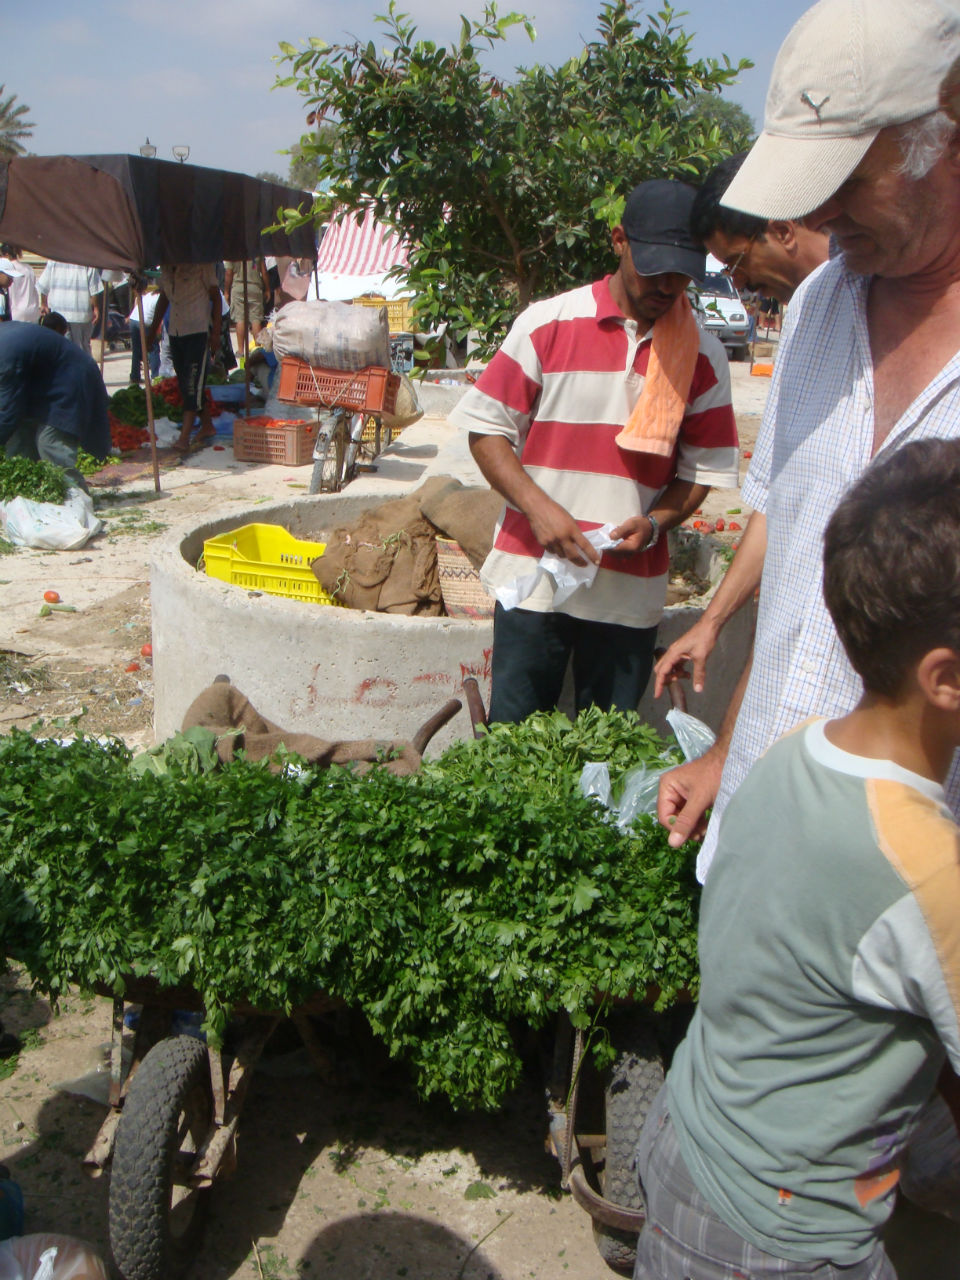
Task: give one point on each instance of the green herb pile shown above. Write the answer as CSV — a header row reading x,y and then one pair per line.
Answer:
x,y
37,481
447,905
129,405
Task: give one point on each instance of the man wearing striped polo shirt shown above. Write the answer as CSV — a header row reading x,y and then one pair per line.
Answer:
x,y
546,422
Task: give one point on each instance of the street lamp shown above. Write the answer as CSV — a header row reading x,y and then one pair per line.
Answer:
x,y
181,152
148,150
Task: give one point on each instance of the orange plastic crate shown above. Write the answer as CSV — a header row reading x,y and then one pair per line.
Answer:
x,y
369,390
288,444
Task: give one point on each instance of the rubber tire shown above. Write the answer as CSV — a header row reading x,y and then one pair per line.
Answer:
x,y
634,1082
327,474
173,1079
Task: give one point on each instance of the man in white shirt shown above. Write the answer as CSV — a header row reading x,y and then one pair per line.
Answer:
x,y
74,292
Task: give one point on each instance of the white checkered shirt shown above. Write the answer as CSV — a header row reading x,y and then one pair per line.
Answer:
x,y
815,442
70,290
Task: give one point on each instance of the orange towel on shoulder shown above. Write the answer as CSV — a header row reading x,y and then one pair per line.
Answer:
x,y
654,424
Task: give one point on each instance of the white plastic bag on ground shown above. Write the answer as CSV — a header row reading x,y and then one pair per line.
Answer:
x,y
166,431
333,335
49,1257
48,525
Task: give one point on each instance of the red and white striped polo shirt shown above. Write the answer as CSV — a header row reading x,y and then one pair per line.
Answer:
x,y
560,389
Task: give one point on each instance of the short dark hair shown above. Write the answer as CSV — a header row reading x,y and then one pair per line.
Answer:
x,y
9,251
55,321
891,563
709,215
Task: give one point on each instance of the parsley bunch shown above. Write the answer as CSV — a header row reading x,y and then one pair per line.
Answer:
x,y
445,905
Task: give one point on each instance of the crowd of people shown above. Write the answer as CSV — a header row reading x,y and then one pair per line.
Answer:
x,y
187,314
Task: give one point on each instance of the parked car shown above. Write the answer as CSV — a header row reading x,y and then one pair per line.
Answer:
x,y
722,312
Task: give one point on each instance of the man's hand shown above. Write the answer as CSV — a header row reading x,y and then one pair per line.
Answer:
x,y
557,532
694,646
686,793
634,534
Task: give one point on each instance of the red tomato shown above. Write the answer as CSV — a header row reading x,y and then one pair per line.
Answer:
x,y
735,527
132,666
721,525
748,453
146,651
51,597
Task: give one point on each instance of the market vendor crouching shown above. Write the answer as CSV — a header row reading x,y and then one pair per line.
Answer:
x,y
52,399
606,409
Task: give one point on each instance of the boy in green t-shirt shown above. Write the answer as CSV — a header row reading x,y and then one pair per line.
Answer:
x,y
829,930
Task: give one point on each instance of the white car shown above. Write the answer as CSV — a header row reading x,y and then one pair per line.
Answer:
x,y
722,311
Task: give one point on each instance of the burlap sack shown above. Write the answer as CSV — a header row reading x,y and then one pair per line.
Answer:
x,y
466,513
333,335
387,559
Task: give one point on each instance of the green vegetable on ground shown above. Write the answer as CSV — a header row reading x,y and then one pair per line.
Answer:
x,y
447,906
37,481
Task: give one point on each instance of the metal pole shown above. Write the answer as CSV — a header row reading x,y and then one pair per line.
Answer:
x,y
104,308
149,389
246,343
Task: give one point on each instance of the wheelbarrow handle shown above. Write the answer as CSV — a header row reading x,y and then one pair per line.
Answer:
x,y
435,724
478,714
675,690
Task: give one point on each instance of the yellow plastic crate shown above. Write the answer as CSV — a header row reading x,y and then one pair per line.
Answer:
x,y
266,557
398,311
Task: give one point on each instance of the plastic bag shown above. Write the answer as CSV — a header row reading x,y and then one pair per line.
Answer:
x,y
51,526
695,737
49,1257
639,786
166,431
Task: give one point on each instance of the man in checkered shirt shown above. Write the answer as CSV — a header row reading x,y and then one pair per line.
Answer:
x,y
869,359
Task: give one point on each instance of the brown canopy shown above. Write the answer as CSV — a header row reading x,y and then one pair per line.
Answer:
x,y
129,212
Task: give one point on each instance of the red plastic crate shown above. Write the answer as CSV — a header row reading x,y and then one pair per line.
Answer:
x,y
288,444
370,390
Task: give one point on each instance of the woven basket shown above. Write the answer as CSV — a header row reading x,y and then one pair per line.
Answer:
x,y
463,592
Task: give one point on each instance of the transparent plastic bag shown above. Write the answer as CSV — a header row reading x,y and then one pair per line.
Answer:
x,y
49,1257
695,737
639,786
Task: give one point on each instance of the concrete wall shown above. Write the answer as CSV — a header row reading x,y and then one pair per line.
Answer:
x,y
337,673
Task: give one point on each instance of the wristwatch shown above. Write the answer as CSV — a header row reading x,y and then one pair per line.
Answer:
x,y
654,533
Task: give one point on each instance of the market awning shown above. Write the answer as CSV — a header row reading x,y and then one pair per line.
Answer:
x,y
130,212
356,254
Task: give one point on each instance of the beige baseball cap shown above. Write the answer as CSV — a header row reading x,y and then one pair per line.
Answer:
x,y
848,69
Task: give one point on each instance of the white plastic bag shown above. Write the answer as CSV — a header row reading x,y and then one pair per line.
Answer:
x,y
166,431
639,787
51,526
333,335
49,1257
695,737
567,576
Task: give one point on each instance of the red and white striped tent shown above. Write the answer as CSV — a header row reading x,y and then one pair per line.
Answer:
x,y
355,254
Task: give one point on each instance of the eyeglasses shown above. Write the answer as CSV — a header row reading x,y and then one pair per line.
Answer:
x,y
730,268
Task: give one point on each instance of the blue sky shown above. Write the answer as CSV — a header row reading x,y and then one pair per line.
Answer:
x,y
102,76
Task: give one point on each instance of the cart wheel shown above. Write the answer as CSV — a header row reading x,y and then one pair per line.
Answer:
x,y
156,1219
328,461
634,1082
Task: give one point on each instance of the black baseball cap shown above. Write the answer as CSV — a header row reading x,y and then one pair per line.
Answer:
x,y
656,220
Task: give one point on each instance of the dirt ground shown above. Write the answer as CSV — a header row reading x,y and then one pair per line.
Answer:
x,y
351,1178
